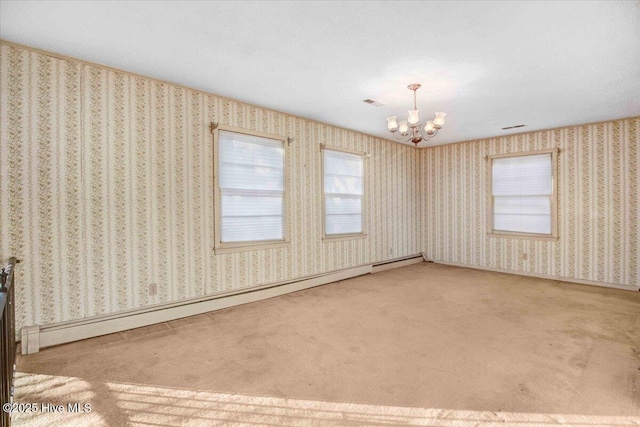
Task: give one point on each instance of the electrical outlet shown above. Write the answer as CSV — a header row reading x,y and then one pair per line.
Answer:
x,y
153,289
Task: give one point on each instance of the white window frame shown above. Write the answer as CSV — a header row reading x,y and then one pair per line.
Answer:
x,y
227,247
346,236
553,236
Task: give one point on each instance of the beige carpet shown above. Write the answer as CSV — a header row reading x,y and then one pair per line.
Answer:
x,y
420,345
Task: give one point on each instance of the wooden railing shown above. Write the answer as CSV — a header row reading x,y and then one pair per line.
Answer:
x,y
7,339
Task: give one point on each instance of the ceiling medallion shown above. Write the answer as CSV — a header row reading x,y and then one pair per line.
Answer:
x,y
409,129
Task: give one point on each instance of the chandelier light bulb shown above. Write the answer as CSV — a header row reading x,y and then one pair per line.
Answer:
x,y
413,119
430,128
392,123
439,120
404,127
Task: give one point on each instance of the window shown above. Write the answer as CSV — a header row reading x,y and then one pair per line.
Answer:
x,y
343,193
250,185
523,195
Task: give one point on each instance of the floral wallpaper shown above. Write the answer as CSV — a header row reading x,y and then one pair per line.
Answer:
x,y
598,197
106,187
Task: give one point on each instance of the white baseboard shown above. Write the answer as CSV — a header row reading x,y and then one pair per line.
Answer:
x,y
403,262
75,330
30,339
544,276
92,327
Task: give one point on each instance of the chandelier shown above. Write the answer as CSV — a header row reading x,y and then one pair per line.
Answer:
x,y
410,130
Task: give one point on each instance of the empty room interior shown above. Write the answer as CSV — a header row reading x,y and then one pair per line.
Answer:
x,y
362,213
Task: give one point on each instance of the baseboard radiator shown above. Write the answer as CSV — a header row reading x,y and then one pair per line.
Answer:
x,y
36,337
541,276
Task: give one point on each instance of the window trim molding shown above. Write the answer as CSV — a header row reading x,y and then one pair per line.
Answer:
x,y
553,236
326,238
229,247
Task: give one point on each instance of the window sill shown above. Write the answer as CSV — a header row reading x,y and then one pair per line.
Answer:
x,y
341,237
244,247
525,236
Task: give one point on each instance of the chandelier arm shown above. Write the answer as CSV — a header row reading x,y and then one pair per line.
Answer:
x,y
416,131
401,137
426,137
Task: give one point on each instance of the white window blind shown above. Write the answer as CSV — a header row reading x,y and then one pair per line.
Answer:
x,y
343,191
251,186
522,191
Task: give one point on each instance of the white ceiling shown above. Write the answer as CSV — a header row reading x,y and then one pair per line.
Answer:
x,y
486,64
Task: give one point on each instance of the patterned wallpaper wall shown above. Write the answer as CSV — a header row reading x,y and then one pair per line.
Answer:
x,y
106,186
598,193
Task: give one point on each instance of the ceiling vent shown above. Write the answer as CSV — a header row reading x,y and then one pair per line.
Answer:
x,y
513,127
372,102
